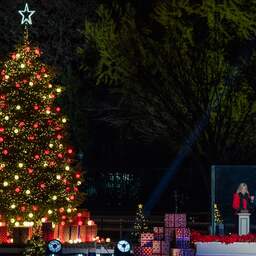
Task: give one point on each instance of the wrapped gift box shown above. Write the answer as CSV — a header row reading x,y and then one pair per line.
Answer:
x,y
175,220
169,234
47,232
182,233
3,234
161,247
182,252
158,233
137,250
146,239
147,251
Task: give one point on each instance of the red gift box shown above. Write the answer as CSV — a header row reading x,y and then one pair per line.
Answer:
x,y
137,250
147,251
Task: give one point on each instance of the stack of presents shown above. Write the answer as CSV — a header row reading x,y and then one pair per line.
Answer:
x,y
79,229
171,240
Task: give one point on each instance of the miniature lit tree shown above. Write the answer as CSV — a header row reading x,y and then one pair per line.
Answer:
x,y
140,224
37,180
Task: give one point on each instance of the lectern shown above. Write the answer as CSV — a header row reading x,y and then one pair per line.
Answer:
x,y
243,223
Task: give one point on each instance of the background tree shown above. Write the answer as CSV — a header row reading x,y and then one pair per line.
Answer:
x,y
181,63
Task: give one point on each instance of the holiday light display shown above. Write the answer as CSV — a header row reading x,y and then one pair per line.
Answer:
x,y
140,224
37,180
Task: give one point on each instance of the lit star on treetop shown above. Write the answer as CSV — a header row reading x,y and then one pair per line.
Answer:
x,y
26,15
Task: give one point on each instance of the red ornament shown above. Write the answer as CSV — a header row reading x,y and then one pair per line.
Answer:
x,y
49,121
72,197
5,152
37,156
61,210
17,190
75,189
47,151
1,139
17,85
36,125
35,208
62,223
36,107
59,136
23,208
25,81
60,155
21,124
42,186
80,223
1,129
14,56
58,109
63,217
38,76
67,189
37,51
43,70
31,137
27,49
70,150
78,175
30,170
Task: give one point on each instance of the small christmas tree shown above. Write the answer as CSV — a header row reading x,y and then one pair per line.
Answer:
x,y
140,224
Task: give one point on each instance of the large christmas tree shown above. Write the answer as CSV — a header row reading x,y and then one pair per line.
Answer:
x,y
37,180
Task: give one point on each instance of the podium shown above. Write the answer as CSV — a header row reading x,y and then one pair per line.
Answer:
x,y
243,223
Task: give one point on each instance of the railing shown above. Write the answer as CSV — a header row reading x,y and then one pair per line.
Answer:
x,y
117,227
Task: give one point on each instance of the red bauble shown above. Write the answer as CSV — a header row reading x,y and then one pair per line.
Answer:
x,y
58,109
37,156
70,151
67,189
47,151
43,69
1,129
60,155
63,217
38,76
1,139
25,81
31,137
37,51
78,175
49,121
17,85
59,136
14,56
30,170
36,125
62,223
21,124
36,107
23,208
5,152
61,210
80,223
72,197
17,190
35,208
42,186
75,189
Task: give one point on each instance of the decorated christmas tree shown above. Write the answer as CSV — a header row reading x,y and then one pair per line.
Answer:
x,y
140,224
37,180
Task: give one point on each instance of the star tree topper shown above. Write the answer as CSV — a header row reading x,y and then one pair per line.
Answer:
x,y
26,15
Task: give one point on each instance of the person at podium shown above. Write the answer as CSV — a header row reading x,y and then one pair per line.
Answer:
x,y
242,202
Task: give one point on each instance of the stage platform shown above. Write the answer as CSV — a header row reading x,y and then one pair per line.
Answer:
x,y
75,249
222,249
